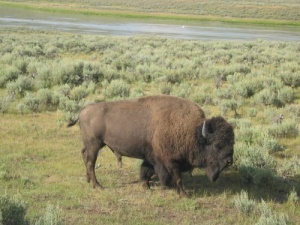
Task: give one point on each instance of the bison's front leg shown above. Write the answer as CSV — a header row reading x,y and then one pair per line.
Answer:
x,y
146,173
174,170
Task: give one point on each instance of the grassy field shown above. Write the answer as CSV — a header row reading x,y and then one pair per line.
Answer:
x,y
45,76
263,12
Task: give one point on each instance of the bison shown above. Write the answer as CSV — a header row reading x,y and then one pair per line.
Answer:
x,y
170,134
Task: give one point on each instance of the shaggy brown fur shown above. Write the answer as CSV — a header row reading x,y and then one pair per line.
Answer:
x,y
163,131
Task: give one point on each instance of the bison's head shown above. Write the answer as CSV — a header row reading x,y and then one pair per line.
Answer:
x,y
217,140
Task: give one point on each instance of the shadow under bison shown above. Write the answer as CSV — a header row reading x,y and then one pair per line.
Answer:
x,y
171,135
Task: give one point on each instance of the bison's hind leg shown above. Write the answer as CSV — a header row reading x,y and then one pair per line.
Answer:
x,y
84,157
119,159
89,154
146,172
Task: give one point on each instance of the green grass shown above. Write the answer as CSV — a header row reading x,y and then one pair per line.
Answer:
x,y
258,12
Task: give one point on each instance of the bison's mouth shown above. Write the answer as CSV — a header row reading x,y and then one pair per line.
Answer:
x,y
213,174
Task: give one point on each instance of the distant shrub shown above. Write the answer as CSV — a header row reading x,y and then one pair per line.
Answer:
x,y
172,77
64,90
252,112
290,79
67,72
68,105
289,167
117,88
136,93
285,95
4,104
287,129
202,97
244,204
21,64
8,73
19,87
227,105
79,93
294,109
93,72
31,103
183,90
12,210
110,74
266,97
44,76
48,100
146,73
165,88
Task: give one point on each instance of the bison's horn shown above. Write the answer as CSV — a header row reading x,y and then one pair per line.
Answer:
x,y
204,130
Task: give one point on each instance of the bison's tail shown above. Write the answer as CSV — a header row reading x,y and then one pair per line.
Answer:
x,y
72,122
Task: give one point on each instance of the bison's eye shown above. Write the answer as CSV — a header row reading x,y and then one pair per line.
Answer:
x,y
229,162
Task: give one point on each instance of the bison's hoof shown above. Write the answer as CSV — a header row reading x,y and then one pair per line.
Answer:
x,y
183,194
146,185
98,187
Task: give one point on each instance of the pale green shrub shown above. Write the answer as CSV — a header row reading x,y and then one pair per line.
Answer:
x,y
52,216
21,64
291,79
244,204
31,102
68,105
202,97
285,95
79,93
93,72
19,87
294,109
44,76
253,156
287,129
64,90
117,88
289,167
67,72
165,88
293,197
227,105
4,104
268,217
7,74
252,112
12,210
266,97
183,90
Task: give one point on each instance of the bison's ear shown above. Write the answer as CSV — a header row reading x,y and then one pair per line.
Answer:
x,y
202,133
206,130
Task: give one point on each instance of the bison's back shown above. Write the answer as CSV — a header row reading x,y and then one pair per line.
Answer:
x,y
135,127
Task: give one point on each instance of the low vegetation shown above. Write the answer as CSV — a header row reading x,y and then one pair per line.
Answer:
x,y
46,77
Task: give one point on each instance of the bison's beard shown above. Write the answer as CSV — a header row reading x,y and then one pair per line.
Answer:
x,y
213,173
